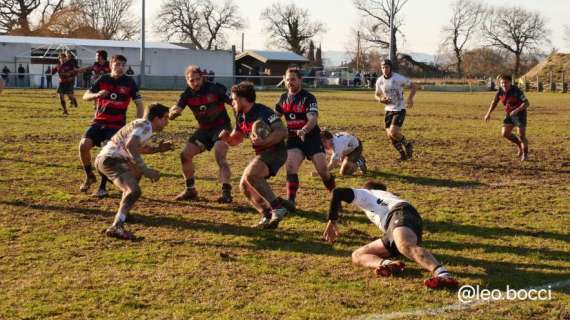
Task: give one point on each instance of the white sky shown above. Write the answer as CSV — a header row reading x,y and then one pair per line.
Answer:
x,y
423,21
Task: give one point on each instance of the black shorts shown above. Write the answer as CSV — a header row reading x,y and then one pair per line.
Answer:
x,y
518,120
274,158
356,154
394,118
311,146
404,215
65,88
98,133
206,138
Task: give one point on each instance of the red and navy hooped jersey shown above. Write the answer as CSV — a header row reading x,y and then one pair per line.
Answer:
x,y
100,69
511,99
244,121
66,71
112,110
295,108
207,104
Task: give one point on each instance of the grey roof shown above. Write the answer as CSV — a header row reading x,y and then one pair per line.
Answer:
x,y
46,41
264,56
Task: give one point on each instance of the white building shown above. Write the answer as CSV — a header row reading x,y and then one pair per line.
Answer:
x,y
164,62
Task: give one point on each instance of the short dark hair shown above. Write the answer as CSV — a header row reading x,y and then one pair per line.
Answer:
x,y
156,110
193,69
327,135
294,70
102,53
119,57
374,185
504,76
244,89
387,62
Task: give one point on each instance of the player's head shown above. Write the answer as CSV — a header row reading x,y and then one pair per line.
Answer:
x,y
293,80
505,81
194,77
100,55
374,185
157,114
62,57
386,66
243,96
118,63
326,138
69,54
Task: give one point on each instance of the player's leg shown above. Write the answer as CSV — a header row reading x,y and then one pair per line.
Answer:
x,y
62,102
370,255
347,167
191,149
72,99
524,143
220,153
85,146
256,201
294,159
320,162
507,133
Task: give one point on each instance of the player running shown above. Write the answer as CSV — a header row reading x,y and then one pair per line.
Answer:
x,y
121,161
100,67
516,105
402,227
113,93
390,92
207,101
301,114
346,151
66,69
270,150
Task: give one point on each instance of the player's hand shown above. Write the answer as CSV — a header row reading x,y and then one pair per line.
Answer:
x,y
173,113
331,232
410,102
152,175
224,135
513,113
301,134
103,94
487,117
164,146
257,141
385,100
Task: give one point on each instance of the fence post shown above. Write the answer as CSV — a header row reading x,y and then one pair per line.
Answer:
x,y
552,83
539,85
564,83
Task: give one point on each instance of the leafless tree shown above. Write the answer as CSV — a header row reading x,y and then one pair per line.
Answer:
x,y
202,22
15,15
567,34
290,27
112,19
378,15
516,30
464,23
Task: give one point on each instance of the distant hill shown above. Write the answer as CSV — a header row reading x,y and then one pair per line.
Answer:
x,y
555,63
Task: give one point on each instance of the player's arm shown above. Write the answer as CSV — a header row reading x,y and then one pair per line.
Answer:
x,y
85,69
134,147
233,139
278,134
411,95
492,107
140,108
338,196
523,106
163,146
312,119
90,95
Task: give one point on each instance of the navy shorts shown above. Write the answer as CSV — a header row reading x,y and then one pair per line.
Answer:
x,y
65,88
274,158
518,120
98,133
404,215
206,138
311,146
394,118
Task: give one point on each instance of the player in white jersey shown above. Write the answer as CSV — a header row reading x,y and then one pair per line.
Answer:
x,y
120,160
390,92
402,227
345,150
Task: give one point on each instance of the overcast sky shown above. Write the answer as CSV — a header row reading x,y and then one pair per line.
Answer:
x,y
423,21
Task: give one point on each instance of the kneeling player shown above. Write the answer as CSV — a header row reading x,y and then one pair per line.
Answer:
x,y
402,227
270,150
346,151
120,160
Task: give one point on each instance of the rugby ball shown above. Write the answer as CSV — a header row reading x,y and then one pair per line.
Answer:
x,y
260,129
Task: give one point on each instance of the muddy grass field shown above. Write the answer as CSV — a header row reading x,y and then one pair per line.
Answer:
x,y
491,219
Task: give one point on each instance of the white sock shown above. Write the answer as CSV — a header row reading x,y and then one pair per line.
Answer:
x,y
385,262
441,272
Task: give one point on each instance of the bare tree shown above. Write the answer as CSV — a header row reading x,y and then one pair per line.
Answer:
x,y
203,23
516,30
15,15
465,20
111,18
380,15
290,27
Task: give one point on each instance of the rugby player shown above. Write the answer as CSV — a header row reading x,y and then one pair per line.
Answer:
x,y
516,105
121,161
402,227
390,92
301,114
346,151
113,93
100,67
66,69
207,102
271,153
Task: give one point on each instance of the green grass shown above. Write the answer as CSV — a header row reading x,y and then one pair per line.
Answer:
x,y
492,220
